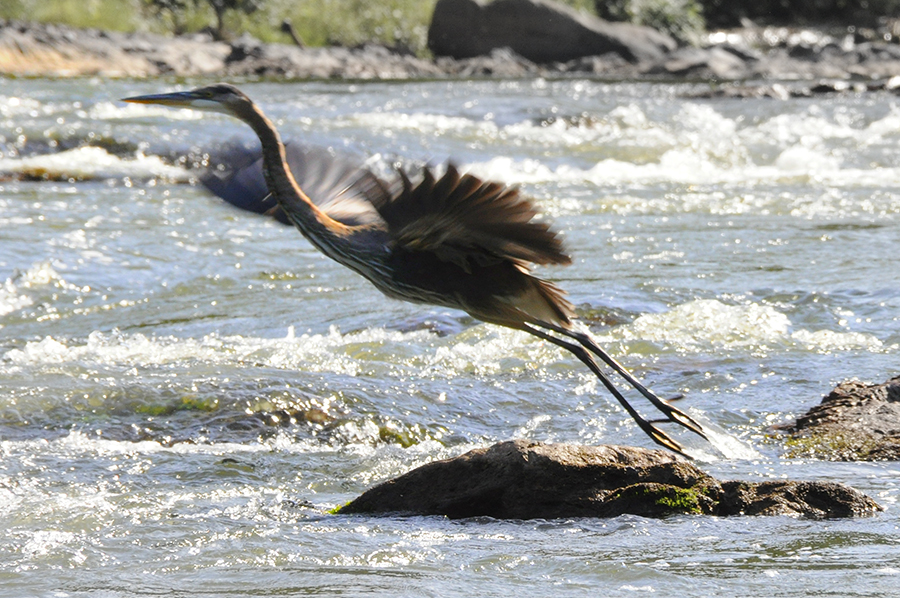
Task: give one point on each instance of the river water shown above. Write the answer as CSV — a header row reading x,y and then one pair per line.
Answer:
x,y
186,390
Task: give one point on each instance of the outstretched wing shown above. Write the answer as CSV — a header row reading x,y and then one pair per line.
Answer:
x,y
458,217
468,221
343,190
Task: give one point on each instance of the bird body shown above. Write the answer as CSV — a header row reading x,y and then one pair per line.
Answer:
x,y
454,241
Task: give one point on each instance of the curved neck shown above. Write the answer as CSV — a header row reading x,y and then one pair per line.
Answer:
x,y
315,224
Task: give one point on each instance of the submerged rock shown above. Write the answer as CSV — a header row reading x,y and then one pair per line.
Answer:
x,y
855,422
526,480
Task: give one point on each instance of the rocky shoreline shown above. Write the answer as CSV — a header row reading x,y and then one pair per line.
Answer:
x,y
788,55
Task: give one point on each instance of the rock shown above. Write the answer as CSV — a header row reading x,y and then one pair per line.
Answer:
x,y
730,14
811,499
855,422
828,87
542,31
36,49
501,62
891,84
808,53
783,92
525,480
702,63
51,50
251,57
608,64
775,91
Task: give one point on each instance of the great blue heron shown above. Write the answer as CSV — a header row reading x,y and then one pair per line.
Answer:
x,y
454,241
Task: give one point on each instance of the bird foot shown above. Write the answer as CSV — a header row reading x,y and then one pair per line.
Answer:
x,y
661,438
676,415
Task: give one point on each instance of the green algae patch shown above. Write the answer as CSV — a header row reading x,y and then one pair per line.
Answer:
x,y
681,500
660,499
833,445
339,509
187,403
857,421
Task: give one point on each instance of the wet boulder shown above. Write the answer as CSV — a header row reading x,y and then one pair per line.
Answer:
x,y
526,480
854,422
542,31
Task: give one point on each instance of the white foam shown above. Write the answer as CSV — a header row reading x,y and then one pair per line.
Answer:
x,y
696,326
10,299
80,443
123,110
829,341
14,106
720,445
13,291
508,170
805,161
701,147
790,129
42,274
488,351
689,167
625,126
813,129
89,162
483,350
429,124
332,352
42,542
708,324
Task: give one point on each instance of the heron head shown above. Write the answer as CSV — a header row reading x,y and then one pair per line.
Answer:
x,y
220,97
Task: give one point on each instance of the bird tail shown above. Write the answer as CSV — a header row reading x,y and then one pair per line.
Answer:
x,y
536,302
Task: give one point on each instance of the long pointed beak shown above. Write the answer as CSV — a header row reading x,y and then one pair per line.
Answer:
x,y
182,99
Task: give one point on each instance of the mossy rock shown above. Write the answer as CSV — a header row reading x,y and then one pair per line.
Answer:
x,y
854,422
527,480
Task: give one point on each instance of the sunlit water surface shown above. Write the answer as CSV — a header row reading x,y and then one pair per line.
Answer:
x,y
185,390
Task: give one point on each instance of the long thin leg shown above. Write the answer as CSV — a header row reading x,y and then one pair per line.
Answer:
x,y
672,413
652,431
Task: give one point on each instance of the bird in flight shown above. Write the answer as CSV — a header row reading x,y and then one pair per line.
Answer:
x,y
452,240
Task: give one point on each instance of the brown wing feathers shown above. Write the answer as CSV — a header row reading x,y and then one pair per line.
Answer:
x,y
468,221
